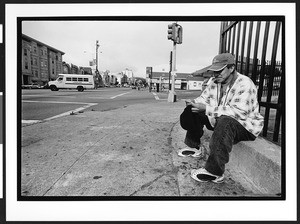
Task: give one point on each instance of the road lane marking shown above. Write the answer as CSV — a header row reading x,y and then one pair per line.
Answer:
x,y
59,115
113,97
155,95
97,97
61,96
68,112
31,121
36,101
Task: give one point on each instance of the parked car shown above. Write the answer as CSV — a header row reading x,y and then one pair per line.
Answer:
x,y
46,86
35,86
31,86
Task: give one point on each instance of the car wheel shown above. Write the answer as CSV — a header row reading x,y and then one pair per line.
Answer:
x,y
53,88
80,88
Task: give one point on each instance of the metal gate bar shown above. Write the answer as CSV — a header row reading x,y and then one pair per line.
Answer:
x,y
263,61
249,48
255,60
271,77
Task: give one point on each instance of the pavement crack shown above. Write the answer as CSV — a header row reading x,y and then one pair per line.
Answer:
x,y
148,184
170,140
71,166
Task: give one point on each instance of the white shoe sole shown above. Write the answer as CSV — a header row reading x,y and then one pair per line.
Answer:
x,y
195,173
198,153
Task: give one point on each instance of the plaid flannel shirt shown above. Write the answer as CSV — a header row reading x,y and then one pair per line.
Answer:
x,y
239,102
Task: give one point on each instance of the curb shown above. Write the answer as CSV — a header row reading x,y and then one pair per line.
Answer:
x,y
256,165
260,164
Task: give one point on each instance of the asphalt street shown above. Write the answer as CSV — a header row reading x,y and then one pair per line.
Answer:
x,y
41,104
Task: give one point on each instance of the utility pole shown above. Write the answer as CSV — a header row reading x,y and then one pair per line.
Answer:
x,y
174,34
149,75
97,46
97,72
172,93
170,70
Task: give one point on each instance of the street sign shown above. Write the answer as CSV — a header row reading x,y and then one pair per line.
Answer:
x,y
149,72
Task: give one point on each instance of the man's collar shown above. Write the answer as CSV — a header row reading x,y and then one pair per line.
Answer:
x,y
231,80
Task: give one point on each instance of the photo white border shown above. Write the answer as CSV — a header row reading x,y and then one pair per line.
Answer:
x,y
1,145
1,170
1,33
149,210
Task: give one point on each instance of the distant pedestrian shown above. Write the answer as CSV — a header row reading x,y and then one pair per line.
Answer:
x,y
228,106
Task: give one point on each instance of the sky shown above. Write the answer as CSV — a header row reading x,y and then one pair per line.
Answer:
x,y
134,45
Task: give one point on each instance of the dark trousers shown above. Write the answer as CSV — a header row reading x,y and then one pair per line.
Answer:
x,y
195,127
226,133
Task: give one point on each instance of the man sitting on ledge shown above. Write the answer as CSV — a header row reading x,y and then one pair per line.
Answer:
x,y
229,107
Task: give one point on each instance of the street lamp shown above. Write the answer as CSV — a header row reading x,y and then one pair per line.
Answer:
x,y
93,62
97,46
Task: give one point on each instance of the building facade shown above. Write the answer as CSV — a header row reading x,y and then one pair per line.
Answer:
x,y
163,79
195,83
129,76
40,62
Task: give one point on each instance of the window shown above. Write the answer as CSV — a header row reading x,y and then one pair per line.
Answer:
x,y
41,51
52,71
68,78
80,79
26,65
34,49
25,51
43,64
85,79
74,79
34,61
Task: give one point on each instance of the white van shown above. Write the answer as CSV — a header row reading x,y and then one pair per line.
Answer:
x,y
72,81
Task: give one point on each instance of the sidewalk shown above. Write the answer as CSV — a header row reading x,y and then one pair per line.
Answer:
x,y
132,152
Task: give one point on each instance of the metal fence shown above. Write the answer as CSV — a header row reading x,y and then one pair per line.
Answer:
x,y
260,56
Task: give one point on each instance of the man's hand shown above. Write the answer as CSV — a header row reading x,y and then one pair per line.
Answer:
x,y
200,106
188,102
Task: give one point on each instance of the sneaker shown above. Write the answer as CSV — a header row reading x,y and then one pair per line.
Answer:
x,y
202,175
197,153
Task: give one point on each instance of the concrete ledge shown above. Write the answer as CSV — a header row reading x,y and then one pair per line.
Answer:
x,y
259,162
256,165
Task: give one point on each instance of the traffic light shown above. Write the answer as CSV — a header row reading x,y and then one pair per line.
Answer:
x,y
149,72
178,34
175,33
172,31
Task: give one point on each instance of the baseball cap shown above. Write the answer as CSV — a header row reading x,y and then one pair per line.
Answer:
x,y
221,61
